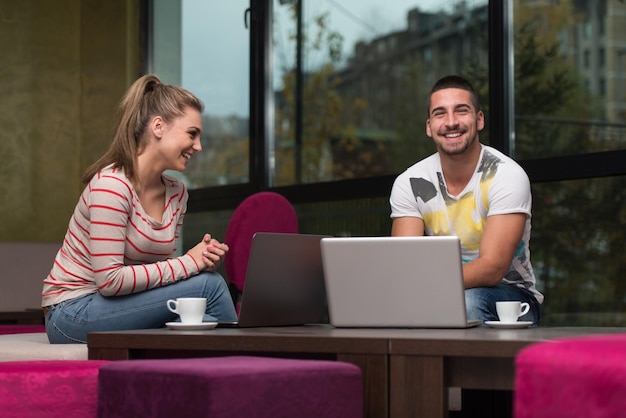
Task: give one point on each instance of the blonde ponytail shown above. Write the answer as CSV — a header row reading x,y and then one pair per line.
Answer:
x,y
146,98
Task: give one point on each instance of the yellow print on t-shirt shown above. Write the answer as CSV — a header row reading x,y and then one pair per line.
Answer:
x,y
465,221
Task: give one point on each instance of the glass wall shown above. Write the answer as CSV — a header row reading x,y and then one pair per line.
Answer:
x,y
570,77
569,90
351,79
204,46
577,247
346,112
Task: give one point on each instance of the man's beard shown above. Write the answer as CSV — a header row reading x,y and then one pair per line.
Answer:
x,y
458,148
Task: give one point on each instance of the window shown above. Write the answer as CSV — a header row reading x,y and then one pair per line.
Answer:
x,y
204,46
566,122
343,111
577,249
602,87
351,96
601,58
572,108
586,29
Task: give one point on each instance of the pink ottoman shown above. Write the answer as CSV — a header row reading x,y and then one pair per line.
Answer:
x,y
575,377
51,388
233,387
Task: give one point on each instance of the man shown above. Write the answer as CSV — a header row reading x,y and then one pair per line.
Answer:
x,y
476,193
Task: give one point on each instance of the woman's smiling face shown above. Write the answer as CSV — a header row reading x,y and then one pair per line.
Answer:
x,y
181,140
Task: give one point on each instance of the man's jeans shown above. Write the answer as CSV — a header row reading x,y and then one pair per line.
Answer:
x,y
70,321
480,302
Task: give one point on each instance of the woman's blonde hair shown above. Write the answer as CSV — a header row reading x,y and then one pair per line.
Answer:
x,y
146,98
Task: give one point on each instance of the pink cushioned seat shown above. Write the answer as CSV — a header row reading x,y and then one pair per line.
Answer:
x,y
576,377
230,387
21,329
51,389
260,212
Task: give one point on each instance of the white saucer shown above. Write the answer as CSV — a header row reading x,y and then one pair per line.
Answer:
x,y
191,327
510,325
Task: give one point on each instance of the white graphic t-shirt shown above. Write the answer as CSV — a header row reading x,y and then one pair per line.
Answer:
x,y
499,186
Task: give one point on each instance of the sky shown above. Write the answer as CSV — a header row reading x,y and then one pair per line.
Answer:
x,y
215,44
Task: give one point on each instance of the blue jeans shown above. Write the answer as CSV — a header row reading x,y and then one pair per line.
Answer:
x,y
480,302
70,321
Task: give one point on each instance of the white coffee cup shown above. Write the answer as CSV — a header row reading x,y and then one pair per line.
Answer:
x,y
190,310
510,311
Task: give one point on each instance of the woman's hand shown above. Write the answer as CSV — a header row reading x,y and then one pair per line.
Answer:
x,y
209,253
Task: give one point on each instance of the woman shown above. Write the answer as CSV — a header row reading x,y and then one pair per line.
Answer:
x,y
117,267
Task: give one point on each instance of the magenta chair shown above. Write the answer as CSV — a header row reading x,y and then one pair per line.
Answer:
x,y
577,377
260,212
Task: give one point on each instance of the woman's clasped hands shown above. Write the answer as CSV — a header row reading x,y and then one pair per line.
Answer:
x,y
208,253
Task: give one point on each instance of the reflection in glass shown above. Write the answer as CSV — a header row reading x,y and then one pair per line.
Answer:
x,y
351,90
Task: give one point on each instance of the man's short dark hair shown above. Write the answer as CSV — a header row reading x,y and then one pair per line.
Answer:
x,y
454,82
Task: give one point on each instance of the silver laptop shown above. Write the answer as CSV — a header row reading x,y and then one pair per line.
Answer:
x,y
404,282
284,282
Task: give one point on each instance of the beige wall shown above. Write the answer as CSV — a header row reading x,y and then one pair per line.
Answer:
x,y
64,66
24,267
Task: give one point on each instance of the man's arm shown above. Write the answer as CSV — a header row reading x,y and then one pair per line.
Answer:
x,y
407,226
502,235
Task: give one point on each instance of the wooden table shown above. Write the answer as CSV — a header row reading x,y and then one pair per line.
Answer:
x,y
425,363
406,372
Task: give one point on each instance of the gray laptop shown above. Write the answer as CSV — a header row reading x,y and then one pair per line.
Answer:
x,y
284,282
403,282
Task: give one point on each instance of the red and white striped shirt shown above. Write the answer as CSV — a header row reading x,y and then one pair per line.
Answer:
x,y
113,247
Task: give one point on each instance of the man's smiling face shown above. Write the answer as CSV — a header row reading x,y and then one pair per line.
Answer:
x,y
453,121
